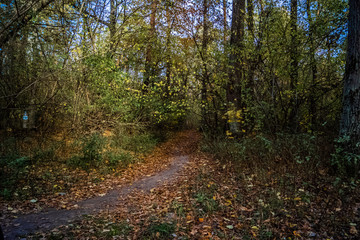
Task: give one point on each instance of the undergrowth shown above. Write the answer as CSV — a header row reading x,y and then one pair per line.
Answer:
x,y
30,168
284,183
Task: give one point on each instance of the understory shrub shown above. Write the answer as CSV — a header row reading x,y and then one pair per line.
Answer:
x,y
119,150
345,160
91,152
292,148
12,166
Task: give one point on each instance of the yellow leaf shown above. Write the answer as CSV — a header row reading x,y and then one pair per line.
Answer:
x,y
214,197
254,228
201,220
297,199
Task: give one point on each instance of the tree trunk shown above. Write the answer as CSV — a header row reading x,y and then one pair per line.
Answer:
x,y
236,72
293,66
168,51
313,67
112,26
236,54
225,20
350,118
251,65
149,66
205,76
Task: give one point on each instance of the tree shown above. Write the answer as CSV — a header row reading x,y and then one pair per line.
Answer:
x,y
20,18
149,61
294,65
350,117
236,73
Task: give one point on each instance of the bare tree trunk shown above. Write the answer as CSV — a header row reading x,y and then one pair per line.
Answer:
x,y
293,66
205,75
149,66
350,118
168,50
225,19
112,26
250,80
236,72
312,107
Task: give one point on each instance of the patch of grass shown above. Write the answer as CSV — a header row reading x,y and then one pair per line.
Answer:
x,y
205,204
159,230
117,230
178,208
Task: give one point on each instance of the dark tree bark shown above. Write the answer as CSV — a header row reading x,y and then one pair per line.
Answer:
x,y
236,58
225,20
313,67
168,46
236,72
149,66
251,62
205,75
293,65
350,118
112,25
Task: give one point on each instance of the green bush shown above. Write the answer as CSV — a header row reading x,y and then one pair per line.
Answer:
x,y
91,153
137,142
345,159
13,166
293,148
123,159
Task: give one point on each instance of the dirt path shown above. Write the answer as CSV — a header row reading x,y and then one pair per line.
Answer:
x,y
51,218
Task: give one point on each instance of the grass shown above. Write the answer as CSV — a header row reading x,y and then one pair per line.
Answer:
x,y
159,230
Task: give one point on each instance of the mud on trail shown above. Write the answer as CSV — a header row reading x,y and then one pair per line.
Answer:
x,y
163,166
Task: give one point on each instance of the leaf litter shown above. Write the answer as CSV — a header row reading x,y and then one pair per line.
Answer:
x,y
212,200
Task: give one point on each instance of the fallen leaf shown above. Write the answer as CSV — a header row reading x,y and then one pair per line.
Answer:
x,y
353,230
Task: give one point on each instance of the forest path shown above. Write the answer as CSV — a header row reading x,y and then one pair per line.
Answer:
x,y
180,148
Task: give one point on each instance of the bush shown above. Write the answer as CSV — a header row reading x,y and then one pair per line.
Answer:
x,y
345,159
292,148
13,166
137,142
123,159
92,147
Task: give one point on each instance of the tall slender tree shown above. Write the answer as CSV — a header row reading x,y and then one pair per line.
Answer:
x,y
204,56
236,72
313,67
149,65
294,65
